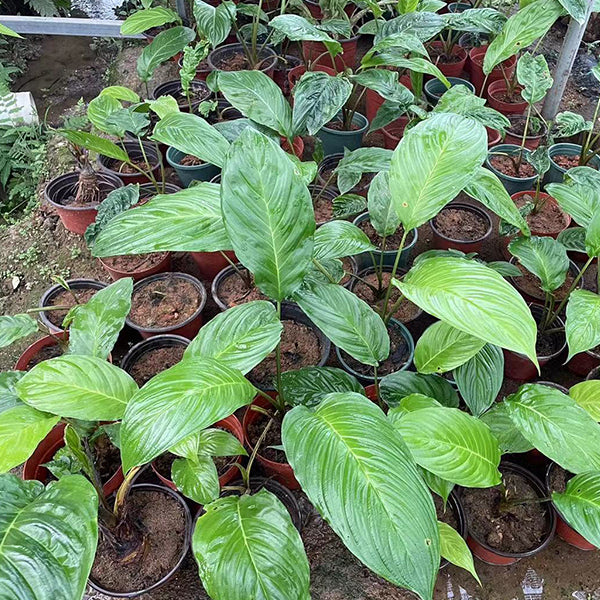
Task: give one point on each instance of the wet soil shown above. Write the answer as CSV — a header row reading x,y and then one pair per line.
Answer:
x,y
549,218
272,438
461,224
154,362
506,166
135,262
557,482
392,242
236,62
107,458
529,284
233,290
65,298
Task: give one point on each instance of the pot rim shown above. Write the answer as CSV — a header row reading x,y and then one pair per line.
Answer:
x,y
356,117
138,350
497,86
493,169
108,176
513,117
176,165
454,81
197,83
469,208
166,256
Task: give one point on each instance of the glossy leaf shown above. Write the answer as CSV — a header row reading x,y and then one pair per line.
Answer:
x,y
583,321
477,20
411,403
337,239
362,160
214,22
579,194
13,328
197,480
504,430
142,20
8,390
569,123
587,395
100,109
416,64
297,28
455,550
534,75
437,485
95,143
163,47
386,84
573,239
209,442
382,214
424,25
348,205
396,386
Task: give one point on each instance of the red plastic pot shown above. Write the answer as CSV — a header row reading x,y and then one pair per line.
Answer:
x,y
210,264
297,72
584,362
297,148
160,267
476,58
496,90
531,141
494,137
231,424
453,69
31,351
393,133
316,52
443,242
281,472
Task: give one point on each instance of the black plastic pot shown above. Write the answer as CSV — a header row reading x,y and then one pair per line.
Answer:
x,y
443,242
52,292
154,343
331,162
268,57
147,190
148,487
435,89
133,149
222,276
175,89
327,193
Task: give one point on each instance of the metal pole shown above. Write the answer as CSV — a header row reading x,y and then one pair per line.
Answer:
x,y
182,10
65,26
568,53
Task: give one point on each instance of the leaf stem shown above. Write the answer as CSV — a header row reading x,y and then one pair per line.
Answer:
x,y
393,274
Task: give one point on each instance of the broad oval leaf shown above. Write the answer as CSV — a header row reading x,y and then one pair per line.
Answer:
x,y
214,22
13,328
510,439
423,25
587,395
386,84
337,239
100,109
196,479
374,498
583,321
142,20
533,74
297,28
455,550
573,239
411,403
248,547
120,92
8,390
579,194
164,46
95,143
209,442
396,386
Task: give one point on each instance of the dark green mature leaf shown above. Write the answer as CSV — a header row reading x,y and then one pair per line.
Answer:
x,y
569,123
442,348
142,20
396,386
573,239
308,385
330,270
178,402
579,194
504,430
297,28
96,324
545,257
268,213
454,548
473,298
382,213
347,321
587,395
477,20
583,321
318,98
388,112
557,426
164,46
432,164
214,22
406,42
248,547
78,387
363,160
48,537
479,379
374,478
196,479
534,75
13,328
240,337
8,390
348,205
95,143
436,484
128,119
187,221
337,239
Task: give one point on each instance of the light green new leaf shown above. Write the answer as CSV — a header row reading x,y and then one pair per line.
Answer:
x,y
587,395
163,106
592,236
297,28
95,143
473,298
557,426
424,25
214,22
505,431
163,47
78,387
268,212
433,162
410,404
142,20
48,537
13,328
4,30
579,194
396,386
247,547
583,321
477,20
382,214
416,64
240,338
437,485
337,239
455,550
197,479
534,75
374,498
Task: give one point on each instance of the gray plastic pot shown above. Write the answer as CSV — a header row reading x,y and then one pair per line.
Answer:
x,y
190,173
435,89
556,173
334,141
510,183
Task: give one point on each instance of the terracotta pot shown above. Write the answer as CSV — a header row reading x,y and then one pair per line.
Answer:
x,y
532,141
494,137
297,148
548,200
316,52
476,58
584,363
394,132
494,94
135,153
453,69
211,263
443,242
297,72
141,273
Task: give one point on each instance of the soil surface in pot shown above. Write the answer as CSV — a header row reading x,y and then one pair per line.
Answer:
x,y
445,514
392,242
107,457
407,311
339,126
530,284
46,353
461,224
322,205
517,127
162,519
557,482
65,298
567,161
547,344
300,347
273,438
189,160
233,62
513,529
131,263
73,202
549,218
155,361
233,290
164,303
506,166
127,169
196,95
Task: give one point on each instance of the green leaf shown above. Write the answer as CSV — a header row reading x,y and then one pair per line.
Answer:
x,y
95,143
557,426
388,112
337,239
375,476
432,164
442,348
4,30
573,239
544,257
197,480
96,324
479,379
386,84
120,92
15,328
411,403
240,338
417,64
587,395
396,386
78,387
347,321
22,428
437,485
128,119
247,547
163,106
583,322
382,213
477,20
505,431
100,109
575,8
209,442
569,123
142,20
8,390
297,28
214,22
187,221
534,75
178,402
592,236
578,195
348,205
455,550
424,25
268,213
362,160
505,269
473,298
48,537
453,445
308,385
163,47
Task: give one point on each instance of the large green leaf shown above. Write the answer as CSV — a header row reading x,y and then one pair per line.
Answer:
x,y
424,25
97,323
240,337
268,214
573,239
15,328
196,479
347,321
477,20
575,8
22,428
191,134
395,386
579,505
163,47
100,109
382,214
8,390
479,379
504,430
354,164
453,445
297,28
174,404
359,474
557,426
473,298
579,194
436,484
187,221
214,22
455,550
433,163
47,537
534,75
120,92
337,239
587,395
583,321
442,348
416,64
78,387
142,20
259,98
248,547
386,84
95,143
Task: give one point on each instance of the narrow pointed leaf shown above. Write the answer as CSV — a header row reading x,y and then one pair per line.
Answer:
x,y
95,143
382,214
437,485
455,550
337,239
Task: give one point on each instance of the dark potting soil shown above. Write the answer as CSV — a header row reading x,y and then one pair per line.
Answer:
x,y
557,482
506,166
348,270
300,347
438,56
530,284
323,206
134,262
190,160
461,224
125,168
547,344
233,290
407,311
107,458
164,303
508,98
566,161
45,353
519,528
196,95
549,217
445,514
339,126
162,519
273,438
392,242
155,361
235,62
73,201
65,298
517,127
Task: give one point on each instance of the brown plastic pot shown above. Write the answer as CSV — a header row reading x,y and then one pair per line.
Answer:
x,y
394,132
476,58
76,218
135,153
443,242
160,267
35,348
316,53
210,264
532,141
188,328
297,72
548,200
494,137
584,363
494,92
453,69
